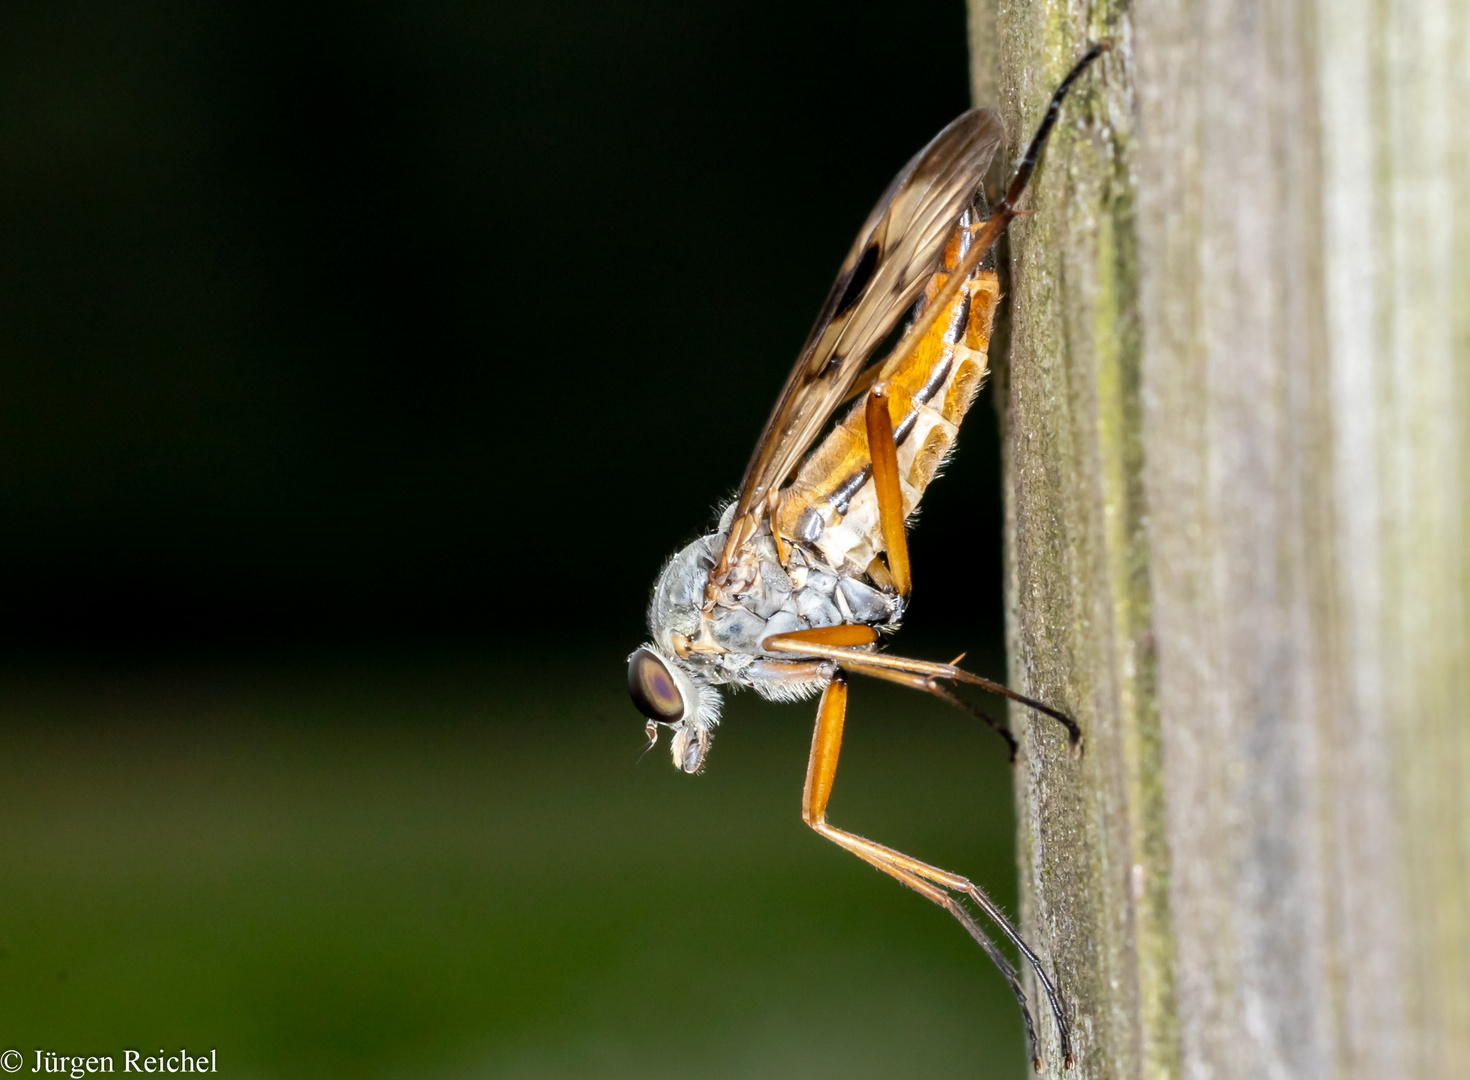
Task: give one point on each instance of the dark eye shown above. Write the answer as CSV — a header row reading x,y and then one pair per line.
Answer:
x,y
653,689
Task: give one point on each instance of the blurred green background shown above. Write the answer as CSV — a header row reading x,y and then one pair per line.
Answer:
x,y
359,365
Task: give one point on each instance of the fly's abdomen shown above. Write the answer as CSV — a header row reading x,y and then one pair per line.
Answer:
x,y
831,506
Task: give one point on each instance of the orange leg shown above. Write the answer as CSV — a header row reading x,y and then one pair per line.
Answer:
x,y
931,686
883,453
939,886
919,674
843,634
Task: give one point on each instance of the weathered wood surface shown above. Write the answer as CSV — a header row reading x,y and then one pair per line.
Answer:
x,y
1236,415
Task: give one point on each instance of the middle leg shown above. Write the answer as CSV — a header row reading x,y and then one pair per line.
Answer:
x,y
883,454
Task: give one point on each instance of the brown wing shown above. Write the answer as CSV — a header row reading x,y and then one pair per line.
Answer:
x,y
882,276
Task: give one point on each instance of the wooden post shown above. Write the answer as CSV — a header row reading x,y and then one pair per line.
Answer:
x,y
1236,414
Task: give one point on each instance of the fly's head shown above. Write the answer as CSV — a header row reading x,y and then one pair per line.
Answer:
x,y
671,694
669,685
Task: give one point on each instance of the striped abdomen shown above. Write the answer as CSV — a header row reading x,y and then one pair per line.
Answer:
x,y
830,505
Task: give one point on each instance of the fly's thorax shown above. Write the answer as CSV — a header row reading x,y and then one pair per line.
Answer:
x,y
802,595
761,598
757,598
699,646
674,611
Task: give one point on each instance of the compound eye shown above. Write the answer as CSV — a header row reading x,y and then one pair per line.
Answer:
x,y
652,687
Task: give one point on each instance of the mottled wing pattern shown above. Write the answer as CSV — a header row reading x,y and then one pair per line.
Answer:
x,y
882,276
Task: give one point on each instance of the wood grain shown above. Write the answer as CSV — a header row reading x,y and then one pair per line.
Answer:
x,y
1236,422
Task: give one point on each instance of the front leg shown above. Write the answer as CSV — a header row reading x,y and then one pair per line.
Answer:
x,y
918,674
883,455
936,885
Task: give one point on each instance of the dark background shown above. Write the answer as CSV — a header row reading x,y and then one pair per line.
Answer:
x,y
359,366
404,321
